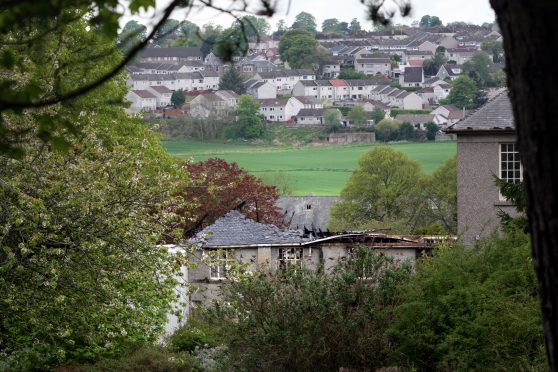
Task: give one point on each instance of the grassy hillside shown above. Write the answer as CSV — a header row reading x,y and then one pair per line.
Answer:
x,y
321,170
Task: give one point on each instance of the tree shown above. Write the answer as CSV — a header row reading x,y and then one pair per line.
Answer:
x,y
26,26
478,68
299,48
431,66
168,28
178,98
305,21
350,74
330,25
494,48
425,21
132,34
281,28
387,130
377,114
232,80
472,309
354,27
82,271
249,117
231,43
406,131
435,22
385,188
463,92
431,131
349,321
358,116
217,187
441,192
332,120
254,27
430,21
343,28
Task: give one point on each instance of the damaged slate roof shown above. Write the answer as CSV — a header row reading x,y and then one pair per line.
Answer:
x,y
234,229
495,115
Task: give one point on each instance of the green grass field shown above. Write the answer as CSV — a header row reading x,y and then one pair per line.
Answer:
x,y
319,170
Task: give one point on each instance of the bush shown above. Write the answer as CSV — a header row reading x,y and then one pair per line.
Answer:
x,y
146,358
473,309
196,333
300,320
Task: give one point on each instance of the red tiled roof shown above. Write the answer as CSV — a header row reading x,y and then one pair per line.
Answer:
x,y
416,62
338,83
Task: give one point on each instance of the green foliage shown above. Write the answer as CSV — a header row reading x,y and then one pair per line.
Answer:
x,y
495,48
463,93
430,21
431,66
298,47
385,187
300,320
478,69
378,114
196,333
231,43
387,130
82,274
351,74
178,98
473,309
305,21
132,34
147,358
358,116
249,117
232,80
407,132
254,27
354,26
515,194
431,131
396,111
440,191
332,120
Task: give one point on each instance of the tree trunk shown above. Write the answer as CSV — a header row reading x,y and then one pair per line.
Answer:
x,y
530,36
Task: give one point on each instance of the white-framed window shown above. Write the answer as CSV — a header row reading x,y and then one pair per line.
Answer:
x,y
221,262
511,169
290,257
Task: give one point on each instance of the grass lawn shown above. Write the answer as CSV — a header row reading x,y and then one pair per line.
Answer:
x,y
319,170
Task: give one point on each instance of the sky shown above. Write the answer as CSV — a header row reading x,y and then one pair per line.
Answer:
x,y
473,11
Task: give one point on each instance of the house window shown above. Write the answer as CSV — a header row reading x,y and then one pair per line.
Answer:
x,y
308,206
290,257
220,264
510,164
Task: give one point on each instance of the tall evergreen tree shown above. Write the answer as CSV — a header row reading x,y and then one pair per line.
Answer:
x,y
232,80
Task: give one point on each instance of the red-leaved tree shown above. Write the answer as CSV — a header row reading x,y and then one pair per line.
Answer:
x,y
217,187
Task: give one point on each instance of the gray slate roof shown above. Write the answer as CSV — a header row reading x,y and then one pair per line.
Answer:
x,y
495,115
234,229
181,52
413,75
310,112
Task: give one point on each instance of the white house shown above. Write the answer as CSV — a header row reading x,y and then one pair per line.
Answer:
x,y
274,109
162,95
261,89
449,71
142,100
310,117
285,80
373,65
